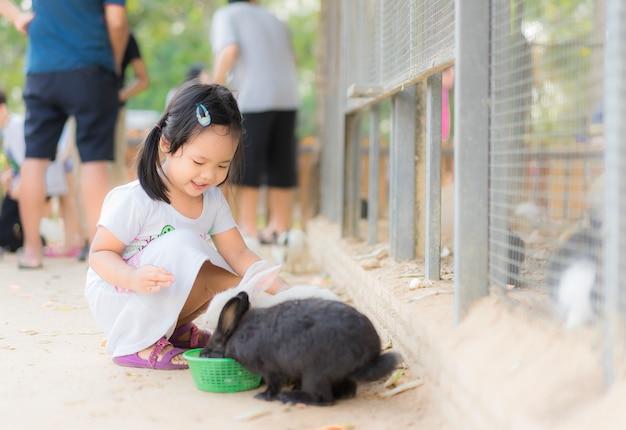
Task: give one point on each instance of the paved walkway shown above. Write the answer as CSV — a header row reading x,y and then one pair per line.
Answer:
x,y
55,374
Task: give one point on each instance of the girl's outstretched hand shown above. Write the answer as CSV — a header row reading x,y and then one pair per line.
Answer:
x,y
150,279
105,258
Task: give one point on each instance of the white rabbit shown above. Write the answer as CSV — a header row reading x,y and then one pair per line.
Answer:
x,y
574,275
257,278
264,300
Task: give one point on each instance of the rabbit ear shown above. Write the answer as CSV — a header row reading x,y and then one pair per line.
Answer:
x,y
253,270
258,277
230,316
264,279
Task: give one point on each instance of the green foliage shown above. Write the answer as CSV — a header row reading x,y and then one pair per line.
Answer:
x,y
562,37
174,35
12,53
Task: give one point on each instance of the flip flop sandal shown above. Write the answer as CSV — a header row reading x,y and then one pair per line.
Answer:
x,y
264,239
194,337
29,267
134,360
24,266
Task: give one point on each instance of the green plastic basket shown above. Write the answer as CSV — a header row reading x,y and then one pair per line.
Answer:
x,y
219,375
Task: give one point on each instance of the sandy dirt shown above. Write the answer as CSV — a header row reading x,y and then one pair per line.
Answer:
x,y
507,364
55,374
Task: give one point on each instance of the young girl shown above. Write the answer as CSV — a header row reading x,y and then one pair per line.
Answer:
x,y
152,270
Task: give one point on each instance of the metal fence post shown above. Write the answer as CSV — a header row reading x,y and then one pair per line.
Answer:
x,y
472,153
351,201
402,176
614,225
374,175
332,132
432,253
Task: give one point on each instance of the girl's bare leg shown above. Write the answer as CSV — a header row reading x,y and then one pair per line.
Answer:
x,y
211,280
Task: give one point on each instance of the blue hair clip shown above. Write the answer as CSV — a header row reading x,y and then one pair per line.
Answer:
x,y
204,117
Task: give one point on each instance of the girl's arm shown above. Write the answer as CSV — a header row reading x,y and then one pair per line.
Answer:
x,y
232,247
105,257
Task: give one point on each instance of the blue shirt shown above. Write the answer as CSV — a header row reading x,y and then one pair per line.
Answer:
x,y
68,35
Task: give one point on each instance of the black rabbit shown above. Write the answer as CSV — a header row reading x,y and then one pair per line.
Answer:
x,y
323,346
516,253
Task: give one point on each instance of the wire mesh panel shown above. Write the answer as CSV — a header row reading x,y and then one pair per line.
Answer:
x,y
546,95
331,119
390,43
388,46
547,155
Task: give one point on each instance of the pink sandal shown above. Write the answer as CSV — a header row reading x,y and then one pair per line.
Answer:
x,y
134,360
195,335
55,252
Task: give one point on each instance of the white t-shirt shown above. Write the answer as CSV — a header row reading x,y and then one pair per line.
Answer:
x,y
13,144
14,147
264,77
133,321
136,219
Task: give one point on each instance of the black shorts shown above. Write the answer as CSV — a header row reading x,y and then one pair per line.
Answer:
x,y
90,94
270,149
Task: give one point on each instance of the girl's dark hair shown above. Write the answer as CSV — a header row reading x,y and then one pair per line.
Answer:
x,y
179,124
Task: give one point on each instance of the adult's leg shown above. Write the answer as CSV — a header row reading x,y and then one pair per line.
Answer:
x,y
43,126
31,199
120,169
71,218
95,109
282,171
258,128
247,202
280,207
95,184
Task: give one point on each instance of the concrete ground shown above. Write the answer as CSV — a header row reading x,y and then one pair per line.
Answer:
x,y
500,368
56,375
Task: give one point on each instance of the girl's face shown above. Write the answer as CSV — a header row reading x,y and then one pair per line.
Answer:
x,y
201,163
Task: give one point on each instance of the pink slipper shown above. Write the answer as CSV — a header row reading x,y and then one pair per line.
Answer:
x,y
52,252
194,340
134,360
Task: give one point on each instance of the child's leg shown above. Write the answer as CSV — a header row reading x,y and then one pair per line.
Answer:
x,y
211,280
144,318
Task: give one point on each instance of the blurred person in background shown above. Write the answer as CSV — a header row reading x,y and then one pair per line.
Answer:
x,y
59,183
196,71
139,82
253,55
74,54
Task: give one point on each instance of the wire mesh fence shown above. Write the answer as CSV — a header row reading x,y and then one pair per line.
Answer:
x,y
546,151
541,94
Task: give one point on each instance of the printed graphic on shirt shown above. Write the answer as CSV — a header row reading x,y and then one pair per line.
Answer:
x,y
166,229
